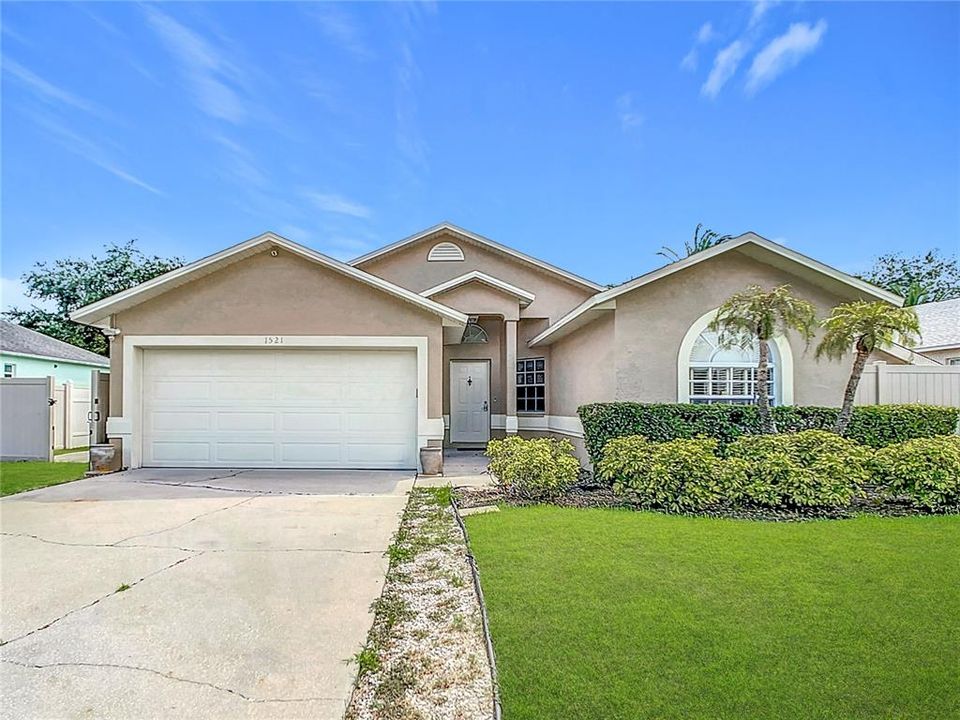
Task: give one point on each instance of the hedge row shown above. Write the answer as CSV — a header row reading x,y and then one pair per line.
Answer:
x,y
812,468
873,425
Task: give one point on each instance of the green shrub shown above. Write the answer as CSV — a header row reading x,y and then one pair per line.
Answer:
x,y
807,468
927,470
534,468
876,425
683,474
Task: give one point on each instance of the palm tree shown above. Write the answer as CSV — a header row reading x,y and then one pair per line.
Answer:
x,y
915,293
864,326
702,240
756,316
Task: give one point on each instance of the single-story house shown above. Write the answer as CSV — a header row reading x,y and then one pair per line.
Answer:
x,y
940,331
270,354
26,353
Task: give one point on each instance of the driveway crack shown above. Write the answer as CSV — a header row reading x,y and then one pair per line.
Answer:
x,y
167,676
186,522
101,599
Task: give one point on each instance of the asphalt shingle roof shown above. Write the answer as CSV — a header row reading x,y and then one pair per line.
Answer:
x,y
23,341
939,323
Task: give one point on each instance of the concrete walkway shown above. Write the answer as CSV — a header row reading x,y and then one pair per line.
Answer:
x,y
172,594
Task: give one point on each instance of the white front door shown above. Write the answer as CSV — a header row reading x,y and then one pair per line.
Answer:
x,y
469,401
294,408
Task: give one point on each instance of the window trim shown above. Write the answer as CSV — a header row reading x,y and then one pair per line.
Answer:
x,y
13,370
517,385
783,392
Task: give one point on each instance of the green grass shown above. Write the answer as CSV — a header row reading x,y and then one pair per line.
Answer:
x,y
614,614
16,477
68,451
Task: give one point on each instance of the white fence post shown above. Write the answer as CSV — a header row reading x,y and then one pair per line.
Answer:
x,y
881,381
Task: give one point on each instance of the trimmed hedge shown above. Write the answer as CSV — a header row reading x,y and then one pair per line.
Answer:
x,y
811,468
926,470
536,468
678,475
873,425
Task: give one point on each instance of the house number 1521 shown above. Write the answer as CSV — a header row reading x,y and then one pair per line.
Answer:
x,y
273,340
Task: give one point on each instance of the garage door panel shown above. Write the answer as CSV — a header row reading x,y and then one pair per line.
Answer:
x,y
310,422
246,421
233,453
315,408
312,452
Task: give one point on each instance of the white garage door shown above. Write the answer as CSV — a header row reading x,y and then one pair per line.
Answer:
x,y
279,408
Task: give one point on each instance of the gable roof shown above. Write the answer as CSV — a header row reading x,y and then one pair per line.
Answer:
x,y
525,297
749,242
939,324
480,240
99,313
18,340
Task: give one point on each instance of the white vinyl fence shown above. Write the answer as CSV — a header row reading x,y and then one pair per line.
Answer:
x,y
71,427
884,384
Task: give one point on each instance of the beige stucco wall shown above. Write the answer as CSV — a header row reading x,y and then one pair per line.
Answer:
x,y
582,367
408,267
475,298
283,295
650,324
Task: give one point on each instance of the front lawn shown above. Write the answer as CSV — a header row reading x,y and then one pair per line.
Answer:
x,y
18,477
617,614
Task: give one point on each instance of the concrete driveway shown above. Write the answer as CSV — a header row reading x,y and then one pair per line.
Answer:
x,y
172,594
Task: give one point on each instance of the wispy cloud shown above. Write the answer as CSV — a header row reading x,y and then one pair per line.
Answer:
x,y
760,8
783,53
705,34
90,151
239,164
410,141
724,66
333,203
340,28
630,118
48,92
213,78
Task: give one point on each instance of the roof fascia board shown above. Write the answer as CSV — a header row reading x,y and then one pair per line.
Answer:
x,y
481,277
97,311
480,239
740,241
51,358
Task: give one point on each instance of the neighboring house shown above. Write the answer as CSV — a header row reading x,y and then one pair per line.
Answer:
x,y
26,353
269,354
940,331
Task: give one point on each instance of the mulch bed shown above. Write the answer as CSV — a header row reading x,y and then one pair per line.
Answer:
x,y
588,494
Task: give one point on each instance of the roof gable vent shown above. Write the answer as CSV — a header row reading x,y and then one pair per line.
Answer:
x,y
445,252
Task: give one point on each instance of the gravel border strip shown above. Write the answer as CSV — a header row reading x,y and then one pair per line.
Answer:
x,y
485,620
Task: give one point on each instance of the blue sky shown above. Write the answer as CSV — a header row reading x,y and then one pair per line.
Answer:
x,y
585,134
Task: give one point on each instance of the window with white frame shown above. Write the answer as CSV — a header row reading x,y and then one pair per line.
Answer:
x,y
953,361
9,370
720,374
531,385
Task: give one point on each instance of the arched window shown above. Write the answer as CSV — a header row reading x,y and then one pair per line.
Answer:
x,y
445,252
709,372
473,334
719,374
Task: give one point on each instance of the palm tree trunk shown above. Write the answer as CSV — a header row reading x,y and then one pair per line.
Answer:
x,y
767,424
846,410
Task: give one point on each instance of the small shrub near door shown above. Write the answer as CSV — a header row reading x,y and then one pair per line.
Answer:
x,y
678,475
813,468
538,468
926,470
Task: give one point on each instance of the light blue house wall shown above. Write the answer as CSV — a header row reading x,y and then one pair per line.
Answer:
x,y
63,370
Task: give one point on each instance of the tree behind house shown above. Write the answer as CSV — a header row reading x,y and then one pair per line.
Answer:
x,y
71,283
864,327
702,240
757,316
929,277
